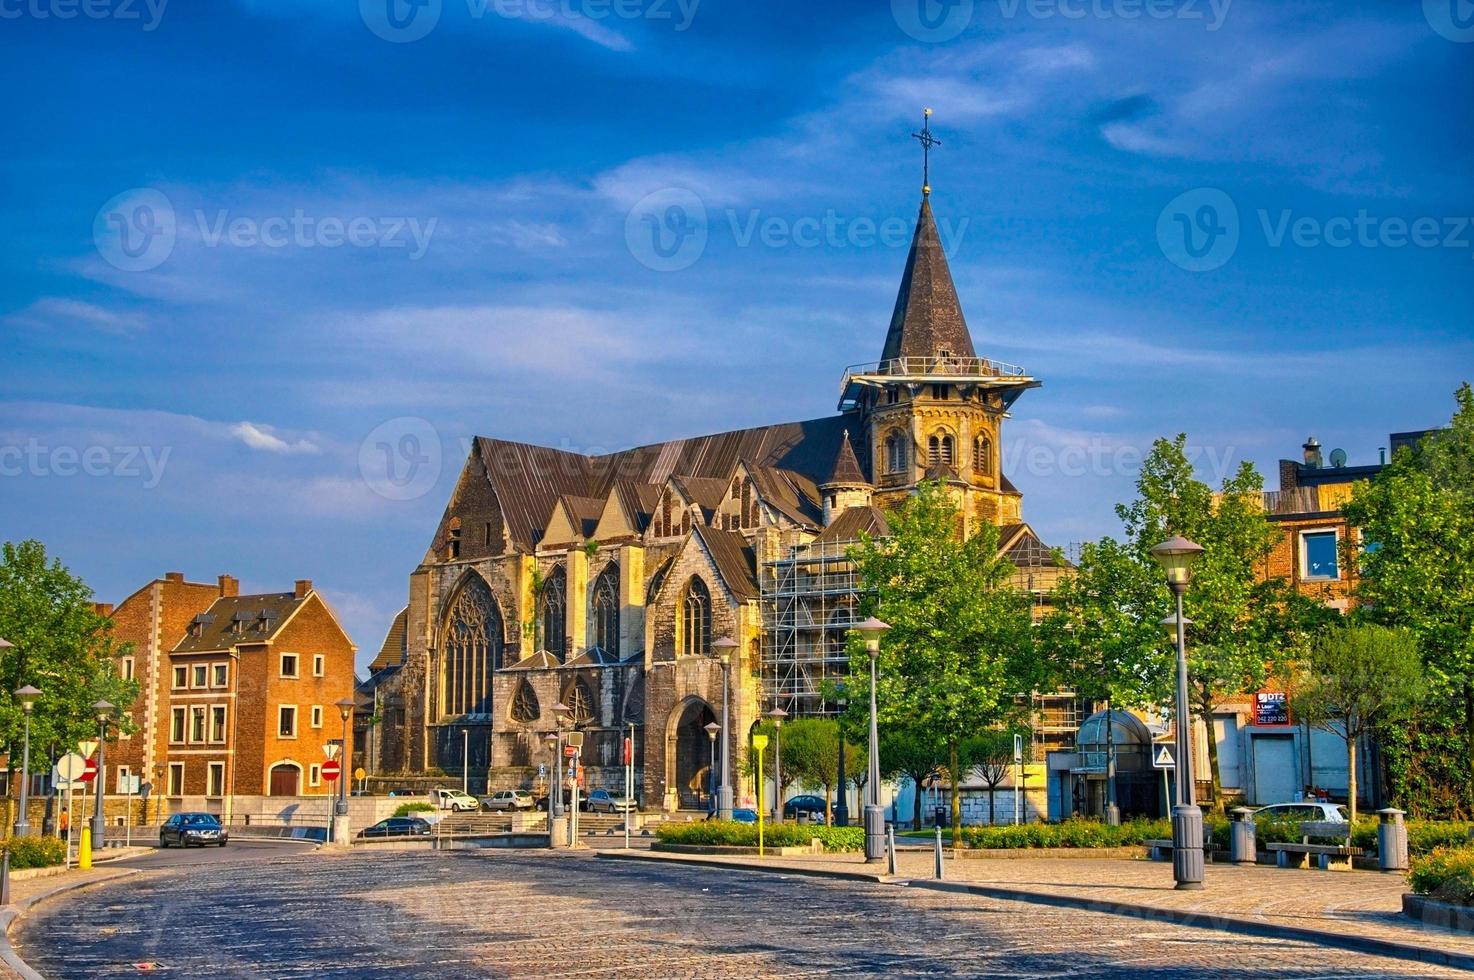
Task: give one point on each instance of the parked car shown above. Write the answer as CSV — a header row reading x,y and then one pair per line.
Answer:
x,y
397,827
602,799
508,799
405,791
185,829
740,814
1302,810
812,805
453,800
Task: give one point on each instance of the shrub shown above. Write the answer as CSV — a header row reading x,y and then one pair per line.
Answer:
x,y
1446,875
405,809
1070,833
729,833
36,852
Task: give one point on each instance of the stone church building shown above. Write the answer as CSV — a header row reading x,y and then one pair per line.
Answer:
x,y
603,582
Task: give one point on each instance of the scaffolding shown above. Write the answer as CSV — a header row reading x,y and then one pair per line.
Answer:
x,y
810,602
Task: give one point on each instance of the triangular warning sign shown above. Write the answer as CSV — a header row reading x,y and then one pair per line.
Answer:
x,y
1163,758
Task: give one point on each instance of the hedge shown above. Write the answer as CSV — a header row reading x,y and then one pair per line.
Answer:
x,y
405,809
1070,833
1446,875
730,833
35,852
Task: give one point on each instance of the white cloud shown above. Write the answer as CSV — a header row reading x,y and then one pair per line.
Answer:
x,y
262,438
59,313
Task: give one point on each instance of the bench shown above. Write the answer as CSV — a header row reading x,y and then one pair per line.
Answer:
x,y
1333,857
1161,850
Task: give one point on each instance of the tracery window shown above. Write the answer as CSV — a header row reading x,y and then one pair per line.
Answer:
x,y
941,448
580,702
524,704
696,619
895,452
982,456
554,602
606,610
471,650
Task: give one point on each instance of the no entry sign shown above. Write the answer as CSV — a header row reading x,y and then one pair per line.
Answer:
x,y
90,773
331,769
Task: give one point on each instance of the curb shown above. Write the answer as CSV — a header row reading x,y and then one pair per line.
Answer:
x,y
1201,920
12,913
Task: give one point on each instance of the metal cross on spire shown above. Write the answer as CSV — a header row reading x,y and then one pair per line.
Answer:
x,y
927,142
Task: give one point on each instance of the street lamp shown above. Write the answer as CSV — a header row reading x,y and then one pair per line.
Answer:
x,y
466,760
1176,556
726,648
27,697
104,711
561,712
841,805
777,715
340,831
711,729
871,631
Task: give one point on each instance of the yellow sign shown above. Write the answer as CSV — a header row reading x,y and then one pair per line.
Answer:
x,y
360,773
760,742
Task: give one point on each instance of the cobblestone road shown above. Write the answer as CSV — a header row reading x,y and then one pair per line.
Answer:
x,y
476,914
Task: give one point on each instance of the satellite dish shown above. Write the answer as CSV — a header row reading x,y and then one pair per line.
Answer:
x,y
1338,458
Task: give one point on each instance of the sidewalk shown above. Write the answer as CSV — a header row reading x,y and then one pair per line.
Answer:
x,y
25,892
1356,910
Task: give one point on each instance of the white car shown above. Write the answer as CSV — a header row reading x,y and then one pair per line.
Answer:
x,y
454,800
1302,810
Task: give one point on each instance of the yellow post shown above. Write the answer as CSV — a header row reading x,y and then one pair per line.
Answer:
x,y
760,742
84,849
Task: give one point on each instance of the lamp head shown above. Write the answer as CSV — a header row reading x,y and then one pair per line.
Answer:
x,y
871,631
1169,623
103,709
711,730
1176,556
725,648
5,644
777,715
345,707
27,696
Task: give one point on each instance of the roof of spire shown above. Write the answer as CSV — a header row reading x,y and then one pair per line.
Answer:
x,y
927,321
846,470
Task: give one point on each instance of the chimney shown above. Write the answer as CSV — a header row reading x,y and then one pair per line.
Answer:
x,y
1312,453
103,608
229,586
1382,455
176,577
304,586
1289,475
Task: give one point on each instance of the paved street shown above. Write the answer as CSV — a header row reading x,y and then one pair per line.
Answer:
x,y
481,913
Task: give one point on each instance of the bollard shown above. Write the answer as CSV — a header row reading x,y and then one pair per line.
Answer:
x,y
1241,844
5,878
939,854
84,849
890,849
1391,840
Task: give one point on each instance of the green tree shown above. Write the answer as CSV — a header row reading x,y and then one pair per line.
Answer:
x,y
990,755
911,753
62,646
960,643
811,755
1417,571
1358,678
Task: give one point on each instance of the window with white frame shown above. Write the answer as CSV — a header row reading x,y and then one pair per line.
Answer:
x,y
197,723
217,723
181,677
201,676
124,772
286,725
127,668
317,716
319,665
289,665
1319,558
177,721
176,779
314,775
221,675
215,783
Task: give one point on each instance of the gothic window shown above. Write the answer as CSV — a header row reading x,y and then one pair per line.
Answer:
x,y
941,449
580,702
892,396
524,704
470,650
554,602
696,619
982,456
606,610
895,452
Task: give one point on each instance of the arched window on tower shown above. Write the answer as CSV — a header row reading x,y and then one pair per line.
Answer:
x,y
982,456
606,610
940,448
696,619
554,603
895,452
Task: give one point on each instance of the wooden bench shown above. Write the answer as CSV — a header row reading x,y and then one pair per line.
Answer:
x,y
1337,857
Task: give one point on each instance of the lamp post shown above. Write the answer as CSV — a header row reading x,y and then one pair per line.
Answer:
x,y
711,728
340,811
552,739
104,711
466,760
777,715
555,797
27,697
871,631
1112,808
726,648
842,805
1176,557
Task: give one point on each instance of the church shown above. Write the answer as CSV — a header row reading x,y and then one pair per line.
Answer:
x,y
604,585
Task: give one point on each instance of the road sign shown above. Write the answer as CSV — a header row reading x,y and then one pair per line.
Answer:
x,y
629,750
360,773
69,768
1018,750
569,751
87,747
331,769
760,742
331,749
1162,757
90,772
575,739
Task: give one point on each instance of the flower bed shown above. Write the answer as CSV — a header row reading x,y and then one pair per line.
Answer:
x,y
1446,875
1070,833
35,852
730,833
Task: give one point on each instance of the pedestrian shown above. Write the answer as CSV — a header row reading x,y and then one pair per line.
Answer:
x,y
64,823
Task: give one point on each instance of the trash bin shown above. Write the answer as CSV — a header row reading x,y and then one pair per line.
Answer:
x,y
1391,840
1242,848
941,816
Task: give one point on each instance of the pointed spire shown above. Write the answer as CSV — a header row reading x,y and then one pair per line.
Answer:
x,y
927,321
846,472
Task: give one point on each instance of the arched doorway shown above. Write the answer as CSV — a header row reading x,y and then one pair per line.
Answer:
x,y
690,749
286,779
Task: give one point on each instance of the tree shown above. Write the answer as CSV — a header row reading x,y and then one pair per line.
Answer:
x,y
811,754
62,646
1357,679
990,755
960,643
1417,571
911,753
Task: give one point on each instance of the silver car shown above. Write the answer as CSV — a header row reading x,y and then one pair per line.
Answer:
x,y
1302,810
508,799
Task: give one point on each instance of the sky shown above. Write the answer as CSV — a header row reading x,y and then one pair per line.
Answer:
x,y
269,265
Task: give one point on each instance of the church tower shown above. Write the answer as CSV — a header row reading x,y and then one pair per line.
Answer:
x,y
846,486
932,408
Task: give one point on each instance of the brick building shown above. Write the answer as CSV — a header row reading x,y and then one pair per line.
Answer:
x,y
238,693
602,582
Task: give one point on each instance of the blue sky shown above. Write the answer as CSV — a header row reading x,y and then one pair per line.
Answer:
x,y
254,245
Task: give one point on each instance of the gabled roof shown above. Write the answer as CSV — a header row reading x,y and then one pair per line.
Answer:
x,y
927,319
793,495
705,492
846,471
849,525
594,657
540,659
733,560
392,650
260,617
1020,545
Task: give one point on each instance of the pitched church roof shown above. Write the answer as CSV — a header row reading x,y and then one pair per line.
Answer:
x,y
855,520
392,651
846,470
928,316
